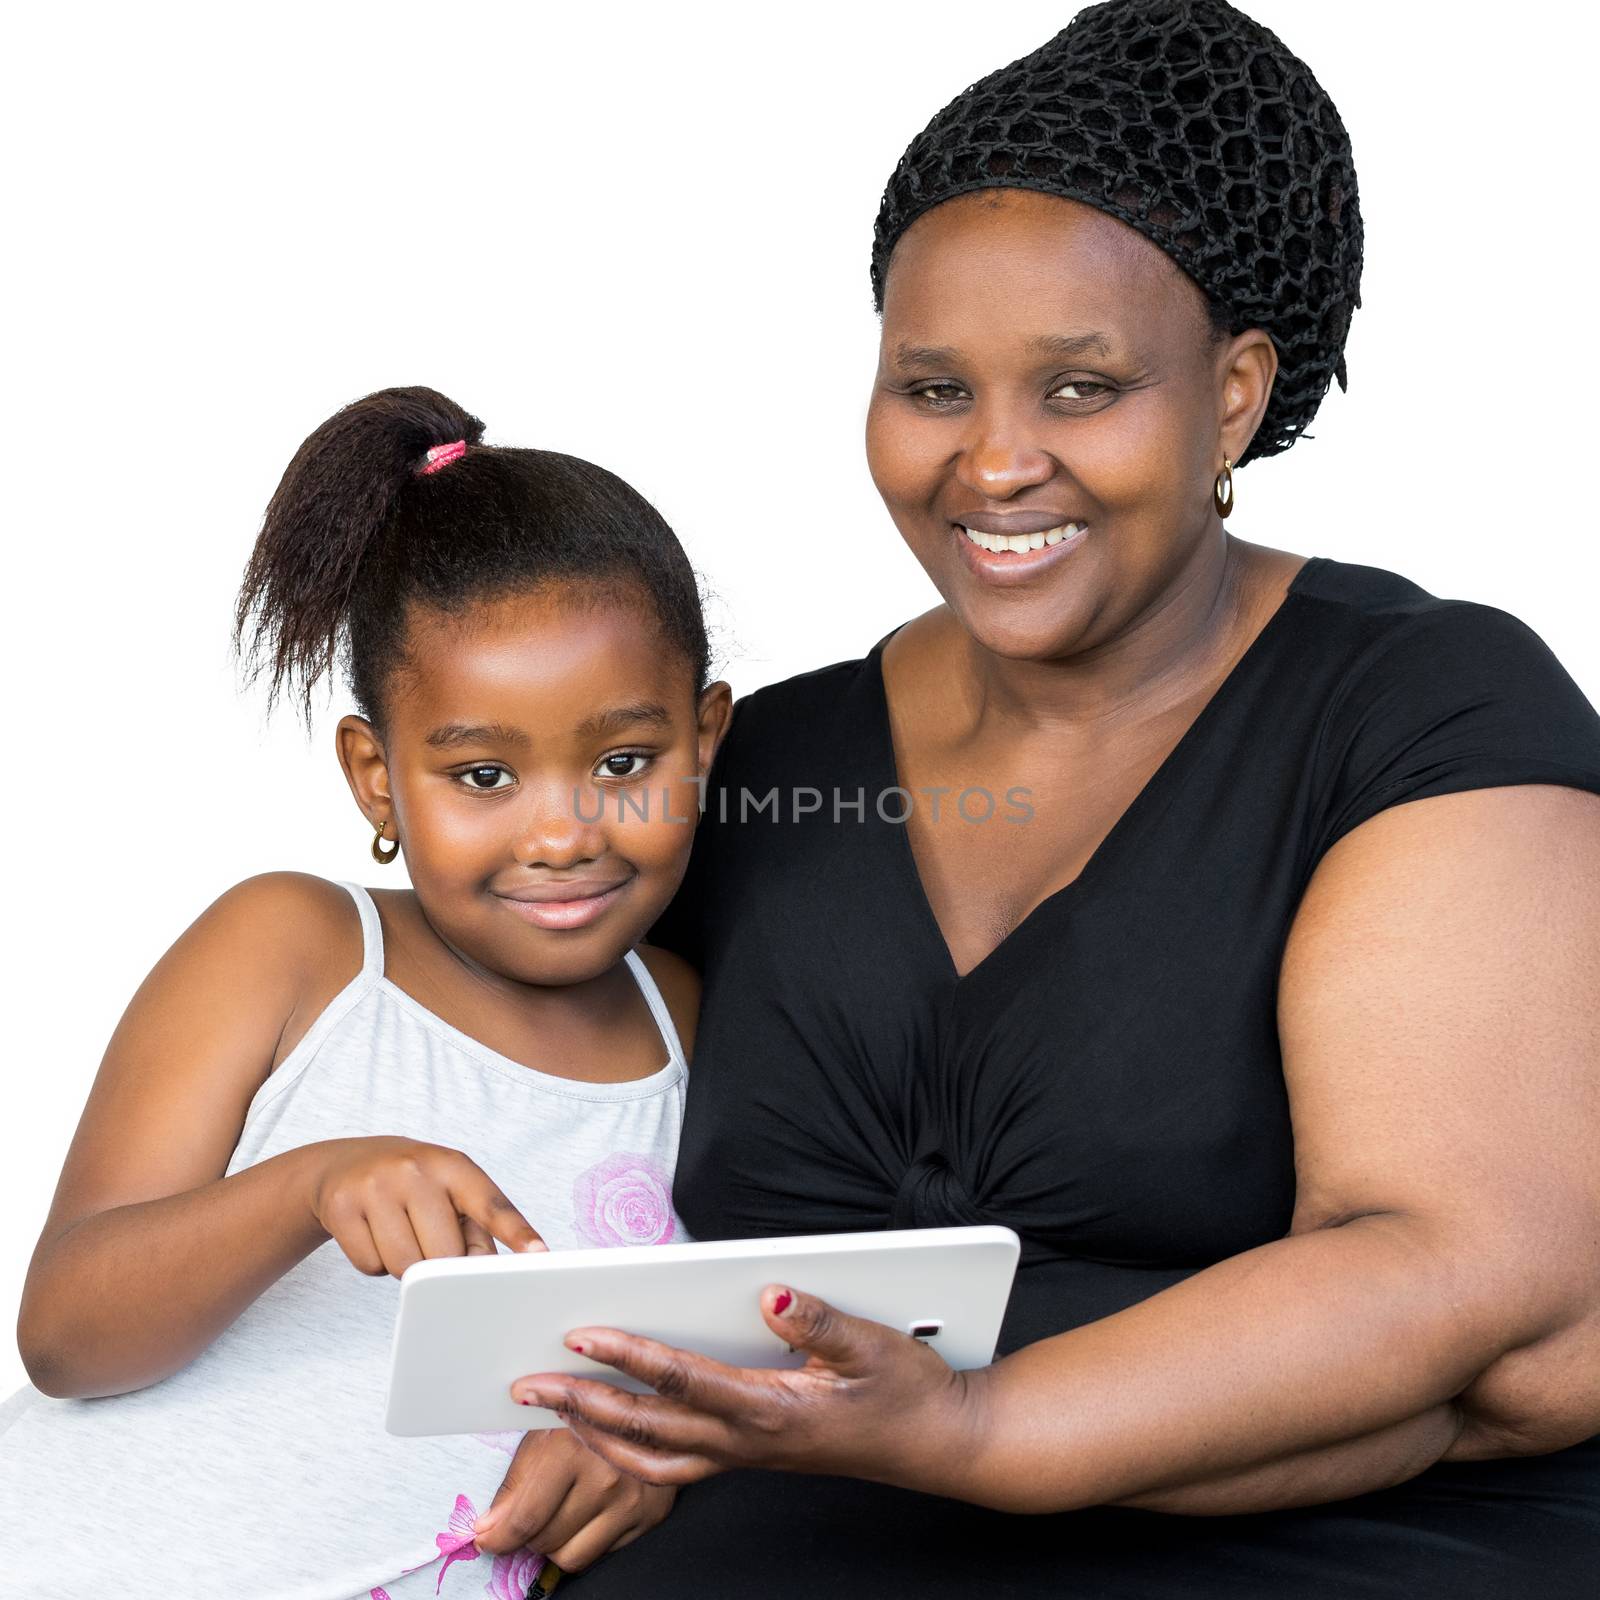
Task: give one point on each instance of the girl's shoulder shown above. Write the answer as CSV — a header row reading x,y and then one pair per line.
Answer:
x,y
303,935
281,923
283,904
679,984
206,1027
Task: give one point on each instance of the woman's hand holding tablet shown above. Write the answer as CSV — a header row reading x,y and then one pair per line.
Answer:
x,y
706,1416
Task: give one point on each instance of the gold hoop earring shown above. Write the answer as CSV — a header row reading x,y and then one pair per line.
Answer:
x,y
382,858
1222,489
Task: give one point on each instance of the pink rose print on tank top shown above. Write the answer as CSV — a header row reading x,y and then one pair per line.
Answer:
x,y
624,1199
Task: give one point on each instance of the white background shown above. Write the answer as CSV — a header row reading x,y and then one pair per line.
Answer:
x,y
639,233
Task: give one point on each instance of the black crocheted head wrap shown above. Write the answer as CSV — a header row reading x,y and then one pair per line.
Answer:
x,y
1194,124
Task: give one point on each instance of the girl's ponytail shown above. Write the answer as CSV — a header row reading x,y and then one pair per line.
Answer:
x,y
326,518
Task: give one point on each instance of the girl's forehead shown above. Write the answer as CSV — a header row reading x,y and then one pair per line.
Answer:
x,y
535,656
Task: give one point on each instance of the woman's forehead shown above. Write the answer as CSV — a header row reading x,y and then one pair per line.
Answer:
x,y
1014,264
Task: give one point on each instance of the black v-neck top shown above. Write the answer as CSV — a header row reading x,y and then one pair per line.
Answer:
x,y
1108,1080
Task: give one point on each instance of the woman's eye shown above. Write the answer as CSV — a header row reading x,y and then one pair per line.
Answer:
x,y
470,777
941,396
628,764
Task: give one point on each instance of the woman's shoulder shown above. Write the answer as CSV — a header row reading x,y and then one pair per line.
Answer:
x,y
1404,641
817,688
1433,695
1395,610
823,715
787,742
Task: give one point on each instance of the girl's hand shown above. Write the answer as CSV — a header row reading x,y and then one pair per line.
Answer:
x,y
388,1203
568,1504
869,1403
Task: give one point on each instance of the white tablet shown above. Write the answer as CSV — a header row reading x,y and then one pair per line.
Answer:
x,y
468,1327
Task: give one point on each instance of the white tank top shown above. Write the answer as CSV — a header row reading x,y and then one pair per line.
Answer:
x,y
263,1468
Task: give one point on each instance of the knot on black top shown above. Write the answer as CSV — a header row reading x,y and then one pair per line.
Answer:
x,y
932,1196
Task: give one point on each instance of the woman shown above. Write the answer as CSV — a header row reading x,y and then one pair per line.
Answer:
x,y
1272,1030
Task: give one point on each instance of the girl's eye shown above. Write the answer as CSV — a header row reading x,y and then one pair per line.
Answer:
x,y
1079,386
939,395
622,765
469,778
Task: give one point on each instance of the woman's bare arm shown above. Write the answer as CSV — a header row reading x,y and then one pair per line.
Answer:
x,y
1312,1477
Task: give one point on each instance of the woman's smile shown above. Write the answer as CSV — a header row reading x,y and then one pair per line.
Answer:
x,y
995,558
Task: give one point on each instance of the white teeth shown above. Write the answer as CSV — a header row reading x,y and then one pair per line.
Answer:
x,y
1020,542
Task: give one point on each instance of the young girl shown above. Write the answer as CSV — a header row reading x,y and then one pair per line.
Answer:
x,y
319,1085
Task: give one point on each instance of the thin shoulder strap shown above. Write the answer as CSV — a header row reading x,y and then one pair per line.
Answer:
x,y
658,1006
371,930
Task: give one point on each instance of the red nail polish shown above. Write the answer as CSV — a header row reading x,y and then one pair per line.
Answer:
x,y
782,1303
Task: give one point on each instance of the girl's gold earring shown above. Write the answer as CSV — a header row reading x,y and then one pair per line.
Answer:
x,y
382,857
1222,489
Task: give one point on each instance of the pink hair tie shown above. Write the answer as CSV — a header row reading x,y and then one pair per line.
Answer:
x,y
441,455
